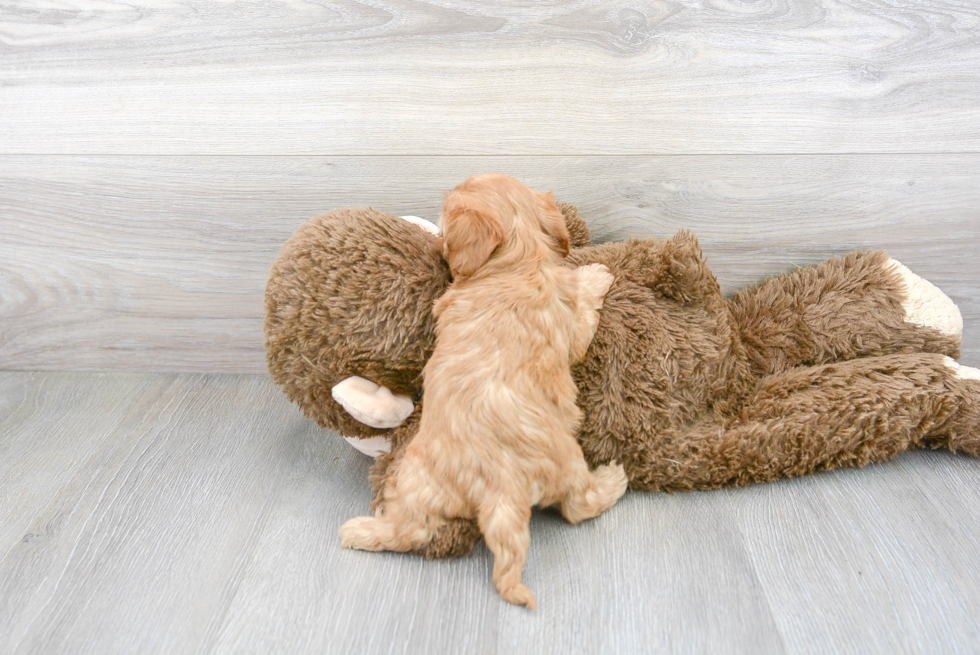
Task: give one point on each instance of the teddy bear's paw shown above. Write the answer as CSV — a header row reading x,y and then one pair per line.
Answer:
x,y
370,446
595,279
428,226
925,304
960,371
372,404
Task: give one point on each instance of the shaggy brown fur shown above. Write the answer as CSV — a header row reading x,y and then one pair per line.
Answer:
x,y
806,371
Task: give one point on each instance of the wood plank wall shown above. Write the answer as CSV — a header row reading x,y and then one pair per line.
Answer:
x,y
154,156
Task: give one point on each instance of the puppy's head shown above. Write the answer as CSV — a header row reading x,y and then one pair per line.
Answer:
x,y
471,231
492,212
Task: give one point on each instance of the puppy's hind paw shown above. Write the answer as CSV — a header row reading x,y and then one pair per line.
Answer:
x,y
611,481
605,486
362,533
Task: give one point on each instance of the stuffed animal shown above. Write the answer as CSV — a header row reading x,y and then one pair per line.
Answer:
x,y
842,364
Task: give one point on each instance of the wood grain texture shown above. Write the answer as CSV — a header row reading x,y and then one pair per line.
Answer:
x,y
154,156
34,464
159,263
897,537
199,513
640,579
466,77
136,551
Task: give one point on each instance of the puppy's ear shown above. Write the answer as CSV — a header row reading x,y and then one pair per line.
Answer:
x,y
469,238
553,222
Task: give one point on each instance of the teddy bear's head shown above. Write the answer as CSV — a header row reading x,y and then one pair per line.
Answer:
x,y
349,303
348,317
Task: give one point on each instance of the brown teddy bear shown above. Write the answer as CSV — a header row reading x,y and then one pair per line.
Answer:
x,y
841,364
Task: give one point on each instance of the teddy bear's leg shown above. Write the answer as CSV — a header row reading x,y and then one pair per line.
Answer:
x,y
593,492
861,305
963,435
504,521
812,418
925,304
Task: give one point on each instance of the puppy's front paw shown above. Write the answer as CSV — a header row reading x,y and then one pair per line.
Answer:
x,y
595,280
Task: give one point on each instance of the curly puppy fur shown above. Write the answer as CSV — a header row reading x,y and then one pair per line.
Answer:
x,y
497,435
822,367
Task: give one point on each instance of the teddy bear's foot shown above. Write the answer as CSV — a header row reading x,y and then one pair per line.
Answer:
x,y
961,432
960,371
926,305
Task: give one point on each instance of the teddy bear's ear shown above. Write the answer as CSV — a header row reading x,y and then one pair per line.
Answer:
x,y
578,231
469,238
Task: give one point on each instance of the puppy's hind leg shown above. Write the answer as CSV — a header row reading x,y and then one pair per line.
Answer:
x,y
383,533
392,531
504,525
593,492
406,522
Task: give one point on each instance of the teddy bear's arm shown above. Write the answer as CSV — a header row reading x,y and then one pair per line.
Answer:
x,y
861,305
674,268
815,418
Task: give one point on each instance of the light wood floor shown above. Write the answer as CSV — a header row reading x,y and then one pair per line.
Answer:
x,y
154,156
169,513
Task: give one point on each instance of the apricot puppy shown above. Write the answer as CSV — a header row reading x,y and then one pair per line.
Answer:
x,y
498,425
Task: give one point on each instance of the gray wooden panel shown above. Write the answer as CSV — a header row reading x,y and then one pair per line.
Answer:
x,y
35,464
140,550
891,543
62,433
159,263
639,579
196,513
464,77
